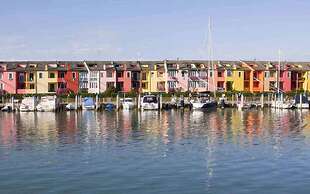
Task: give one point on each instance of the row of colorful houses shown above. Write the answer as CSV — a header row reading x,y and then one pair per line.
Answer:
x,y
42,77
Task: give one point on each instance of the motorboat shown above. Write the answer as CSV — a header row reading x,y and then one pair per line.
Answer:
x,y
223,102
28,104
7,108
70,106
48,104
279,104
109,107
203,104
203,101
301,101
149,102
88,103
128,103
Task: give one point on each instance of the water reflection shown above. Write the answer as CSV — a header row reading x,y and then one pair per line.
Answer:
x,y
172,126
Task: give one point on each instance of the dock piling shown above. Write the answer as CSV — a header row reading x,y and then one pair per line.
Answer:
x,y
160,101
117,102
300,101
139,99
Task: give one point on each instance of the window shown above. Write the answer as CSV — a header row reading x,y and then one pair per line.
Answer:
x,y
229,73
62,85
110,84
31,76
160,74
183,73
21,77
255,75
266,74
1,86
192,73
172,73
211,74
119,74
239,74
219,74
289,74
31,86
281,73
62,74
51,87
128,74
73,75
144,85
192,84
202,84
256,84
40,75
51,75
144,76
136,76
1,75
172,84
220,85
109,73
10,76
202,74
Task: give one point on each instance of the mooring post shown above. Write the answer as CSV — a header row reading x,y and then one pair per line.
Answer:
x,y
76,102
12,101
262,100
117,102
97,102
300,101
282,98
160,101
139,103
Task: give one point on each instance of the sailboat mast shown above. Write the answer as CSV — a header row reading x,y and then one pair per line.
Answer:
x,y
210,51
279,70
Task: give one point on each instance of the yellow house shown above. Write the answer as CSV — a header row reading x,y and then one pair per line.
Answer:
x,y
306,83
153,77
158,78
47,79
145,78
234,78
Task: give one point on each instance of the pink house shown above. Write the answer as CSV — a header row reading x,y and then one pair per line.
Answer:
x,y
197,77
107,77
187,76
212,77
172,76
8,81
285,78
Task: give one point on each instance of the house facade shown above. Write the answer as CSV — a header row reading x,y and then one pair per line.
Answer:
x,y
62,77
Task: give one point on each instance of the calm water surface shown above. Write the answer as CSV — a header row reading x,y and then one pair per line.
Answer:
x,y
223,151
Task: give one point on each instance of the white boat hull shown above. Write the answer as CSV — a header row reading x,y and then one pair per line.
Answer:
x,y
303,106
149,106
128,106
92,107
281,105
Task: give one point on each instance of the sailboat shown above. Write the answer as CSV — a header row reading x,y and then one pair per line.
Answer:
x,y
203,101
279,102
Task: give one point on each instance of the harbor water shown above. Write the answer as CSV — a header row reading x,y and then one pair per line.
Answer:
x,y
219,151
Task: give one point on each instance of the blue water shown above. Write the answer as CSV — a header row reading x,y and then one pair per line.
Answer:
x,y
223,151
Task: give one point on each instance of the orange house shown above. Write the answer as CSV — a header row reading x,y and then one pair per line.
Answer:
x,y
253,77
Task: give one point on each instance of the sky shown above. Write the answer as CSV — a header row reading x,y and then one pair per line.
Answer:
x,y
154,30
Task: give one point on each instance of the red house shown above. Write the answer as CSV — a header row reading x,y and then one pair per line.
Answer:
x,y
127,76
68,81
